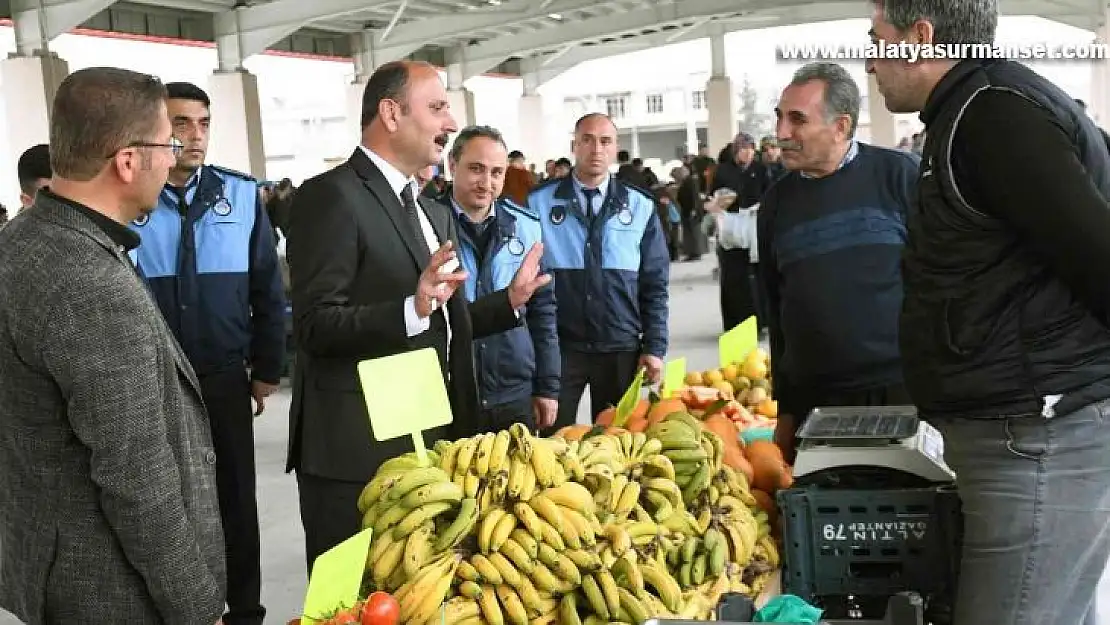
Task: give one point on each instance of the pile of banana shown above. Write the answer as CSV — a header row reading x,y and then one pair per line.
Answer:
x,y
512,528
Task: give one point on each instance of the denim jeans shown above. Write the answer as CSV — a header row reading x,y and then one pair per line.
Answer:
x,y
1036,504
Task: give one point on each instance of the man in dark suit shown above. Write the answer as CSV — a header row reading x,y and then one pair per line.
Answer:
x,y
108,507
373,275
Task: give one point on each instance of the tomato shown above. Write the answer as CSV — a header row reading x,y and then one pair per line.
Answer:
x,y
380,609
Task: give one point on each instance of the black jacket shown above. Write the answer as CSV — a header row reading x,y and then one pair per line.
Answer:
x,y
996,322
353,261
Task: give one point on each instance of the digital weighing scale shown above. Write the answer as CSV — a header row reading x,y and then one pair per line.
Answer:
x,y
837,444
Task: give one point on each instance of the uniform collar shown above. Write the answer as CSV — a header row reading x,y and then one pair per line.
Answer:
x,y
579,187
459,212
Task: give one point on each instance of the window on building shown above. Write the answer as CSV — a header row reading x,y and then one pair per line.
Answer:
x,y
654,103
616,106
698,100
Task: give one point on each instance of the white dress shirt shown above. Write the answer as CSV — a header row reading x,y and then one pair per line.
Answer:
x,y
414,324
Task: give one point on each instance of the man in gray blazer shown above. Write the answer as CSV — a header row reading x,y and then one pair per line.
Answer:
x,y
108,507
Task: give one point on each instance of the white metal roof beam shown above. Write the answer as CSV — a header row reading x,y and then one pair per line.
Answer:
x,y
61,16
485,55
407,38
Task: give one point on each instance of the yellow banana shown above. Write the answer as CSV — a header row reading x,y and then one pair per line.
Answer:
x,y
526,540
561,564
608,587
572,495
499,453
373,490
436,491
512,605
638,441
552,536
517,473
530,596
418,516
417,548
509,574
501,531
467,572
467,451
485,530
666,587
388,561
379,543
483,454
545,463
530,486
529,519
491,607
448,458
628,498
663,507
471,484
627,571
470,590
616,490
580,525
660,466
548,511
651,447
456,610
486,569
619,539
568,610
637,613
592,591
586,561
518,555
544,579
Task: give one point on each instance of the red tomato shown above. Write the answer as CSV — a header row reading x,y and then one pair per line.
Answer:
x,y
381,609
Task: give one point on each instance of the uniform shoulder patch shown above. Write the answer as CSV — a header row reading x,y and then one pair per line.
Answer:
x,y
232,172
517,209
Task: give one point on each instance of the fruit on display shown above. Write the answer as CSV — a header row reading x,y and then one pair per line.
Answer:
x,y
612,527
380,608
741,391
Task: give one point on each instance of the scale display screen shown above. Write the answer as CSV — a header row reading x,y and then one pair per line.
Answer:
x,y
885,422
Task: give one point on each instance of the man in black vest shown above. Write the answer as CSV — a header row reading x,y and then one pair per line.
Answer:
x,y
1005,344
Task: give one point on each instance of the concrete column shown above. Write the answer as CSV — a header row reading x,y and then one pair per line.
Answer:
x,y
236,123
533,135
634,142
354,112
462,106
691,122
884,128
720,99
30,83
365,61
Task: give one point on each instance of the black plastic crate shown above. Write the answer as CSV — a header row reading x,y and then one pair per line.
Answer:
x,y
870,543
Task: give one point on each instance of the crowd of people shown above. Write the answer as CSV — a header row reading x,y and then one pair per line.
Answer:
x,y
143,324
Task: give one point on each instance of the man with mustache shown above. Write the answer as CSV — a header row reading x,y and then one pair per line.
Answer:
x,y
829,239
1006,323
209,256
373,275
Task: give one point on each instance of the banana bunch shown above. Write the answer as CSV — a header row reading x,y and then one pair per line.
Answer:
x,y
696,454
512,528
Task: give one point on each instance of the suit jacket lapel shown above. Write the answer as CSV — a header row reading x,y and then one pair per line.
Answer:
x,y
439,218
376,183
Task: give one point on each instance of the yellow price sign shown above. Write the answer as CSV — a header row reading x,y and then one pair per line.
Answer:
x,y
674,376
631,397
337,577
737,343
423,406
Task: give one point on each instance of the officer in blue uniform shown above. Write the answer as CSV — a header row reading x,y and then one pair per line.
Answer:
x,y
606,250
209,256
518,370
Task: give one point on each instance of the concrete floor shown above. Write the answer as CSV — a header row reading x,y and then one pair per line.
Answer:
x,y
695,325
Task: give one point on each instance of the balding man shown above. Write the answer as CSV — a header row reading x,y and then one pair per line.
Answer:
x,y
108,507
372,276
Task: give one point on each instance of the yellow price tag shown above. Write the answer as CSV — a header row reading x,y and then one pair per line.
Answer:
x,y
674,376
424,404
737,343
631,397
337,577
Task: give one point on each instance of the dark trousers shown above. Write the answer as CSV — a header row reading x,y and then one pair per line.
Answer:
x,y
737,287
500,417
329,513
607,375
231,416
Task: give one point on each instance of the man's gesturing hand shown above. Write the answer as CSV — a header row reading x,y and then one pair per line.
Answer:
x,y
528,278
438,282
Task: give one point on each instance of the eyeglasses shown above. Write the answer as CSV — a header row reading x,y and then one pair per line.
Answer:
x,y
175,146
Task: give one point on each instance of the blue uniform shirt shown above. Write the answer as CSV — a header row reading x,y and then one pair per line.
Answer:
x,y
525,361
211,263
